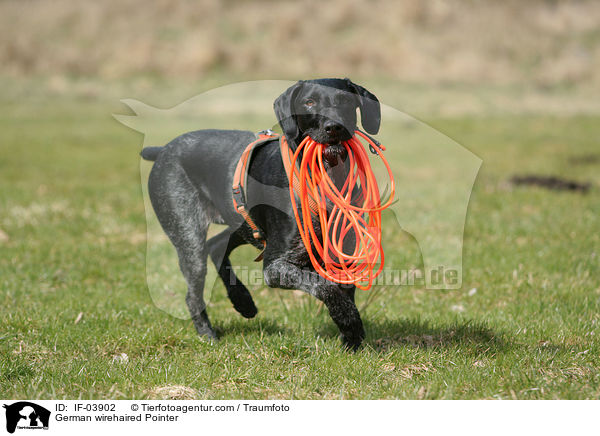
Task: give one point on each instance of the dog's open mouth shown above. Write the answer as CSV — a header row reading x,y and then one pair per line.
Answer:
x,y
313,185
334,152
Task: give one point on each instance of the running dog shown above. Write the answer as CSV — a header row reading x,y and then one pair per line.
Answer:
x,y
190,187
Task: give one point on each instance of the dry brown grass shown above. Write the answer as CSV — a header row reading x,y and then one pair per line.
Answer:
x,y
543,42
171,392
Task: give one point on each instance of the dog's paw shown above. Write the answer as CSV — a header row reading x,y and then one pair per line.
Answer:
x,y
242,301
204,328
207,334
353,340
351,345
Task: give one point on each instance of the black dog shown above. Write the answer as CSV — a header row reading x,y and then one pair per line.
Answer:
x,y
190,187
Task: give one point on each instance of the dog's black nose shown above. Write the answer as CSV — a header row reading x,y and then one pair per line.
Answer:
x,y
332,128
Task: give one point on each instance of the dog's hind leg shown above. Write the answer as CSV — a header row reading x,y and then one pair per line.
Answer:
x,y
184,215
220,247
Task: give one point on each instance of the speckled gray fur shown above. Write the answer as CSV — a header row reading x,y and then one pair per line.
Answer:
x,y
190,187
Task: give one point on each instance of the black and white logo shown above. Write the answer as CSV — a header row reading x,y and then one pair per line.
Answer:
x,y
26,415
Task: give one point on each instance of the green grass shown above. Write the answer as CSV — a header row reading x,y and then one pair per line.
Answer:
x,y
71,207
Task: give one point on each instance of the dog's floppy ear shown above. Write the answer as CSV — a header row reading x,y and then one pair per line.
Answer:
x,y
370,109
284,108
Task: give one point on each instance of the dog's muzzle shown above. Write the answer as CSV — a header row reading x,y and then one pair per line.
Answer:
x,y
334,153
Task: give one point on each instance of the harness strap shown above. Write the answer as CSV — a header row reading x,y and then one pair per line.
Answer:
x,y
240,178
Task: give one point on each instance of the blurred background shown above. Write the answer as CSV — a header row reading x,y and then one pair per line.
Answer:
x,y
512,55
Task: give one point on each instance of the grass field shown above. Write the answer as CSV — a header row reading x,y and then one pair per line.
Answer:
x,y
77,320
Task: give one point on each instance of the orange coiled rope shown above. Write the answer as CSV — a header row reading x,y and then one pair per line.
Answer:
x,y
339,214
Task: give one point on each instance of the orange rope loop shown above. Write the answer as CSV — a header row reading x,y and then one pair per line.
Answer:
x,y
352,211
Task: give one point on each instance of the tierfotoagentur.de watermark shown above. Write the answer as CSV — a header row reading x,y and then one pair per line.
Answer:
x,y
388,277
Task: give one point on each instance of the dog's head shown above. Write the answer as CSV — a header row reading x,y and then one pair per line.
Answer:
x,y
325,110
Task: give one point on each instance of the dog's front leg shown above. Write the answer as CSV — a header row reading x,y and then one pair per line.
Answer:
x,y
339,300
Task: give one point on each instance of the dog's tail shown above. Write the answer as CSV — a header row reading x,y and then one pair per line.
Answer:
x,y
150,153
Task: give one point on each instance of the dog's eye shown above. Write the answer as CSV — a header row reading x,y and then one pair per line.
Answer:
x,y
309,102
